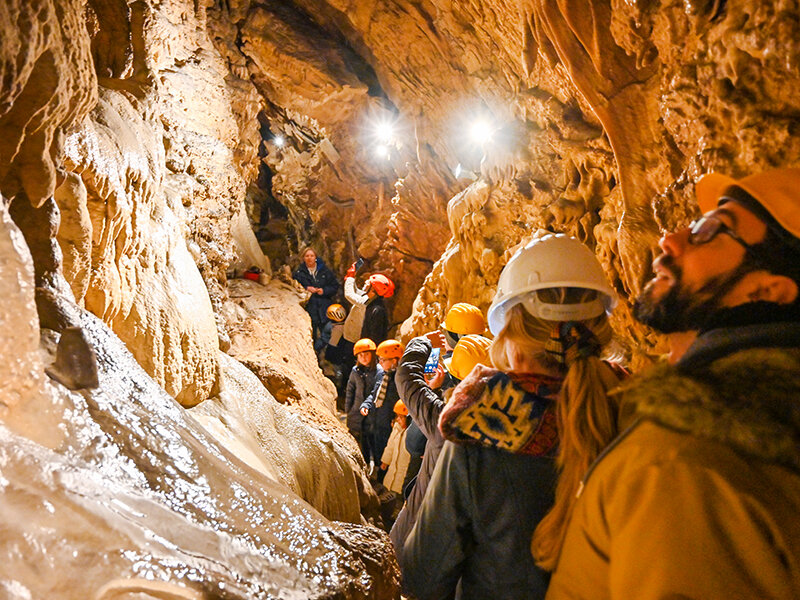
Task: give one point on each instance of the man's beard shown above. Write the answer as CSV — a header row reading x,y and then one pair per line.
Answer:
x,y
681,309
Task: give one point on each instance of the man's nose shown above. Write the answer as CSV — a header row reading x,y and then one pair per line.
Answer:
x,y
674,243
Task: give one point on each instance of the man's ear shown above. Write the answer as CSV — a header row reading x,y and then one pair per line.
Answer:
x,y
774,288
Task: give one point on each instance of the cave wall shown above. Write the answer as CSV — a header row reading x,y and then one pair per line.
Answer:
x,y
131,142
606,113
158,172
112,490
127,153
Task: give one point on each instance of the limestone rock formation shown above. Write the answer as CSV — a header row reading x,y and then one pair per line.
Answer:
x,y
293,420
271,334
140,227
141,278
278,442
144,146
49,83
116,490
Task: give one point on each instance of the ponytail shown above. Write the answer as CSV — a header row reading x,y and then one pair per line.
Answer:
x,y
587,422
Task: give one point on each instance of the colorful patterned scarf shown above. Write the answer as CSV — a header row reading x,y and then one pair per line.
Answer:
x,y
514,412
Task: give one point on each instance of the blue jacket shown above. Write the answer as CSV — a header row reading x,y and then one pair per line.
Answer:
x,y
324,278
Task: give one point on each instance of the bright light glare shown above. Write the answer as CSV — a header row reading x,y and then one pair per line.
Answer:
x,y
279,141
384,132
382,151
457,171
481,131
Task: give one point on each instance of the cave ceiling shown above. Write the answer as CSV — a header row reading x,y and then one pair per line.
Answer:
x,y
602,115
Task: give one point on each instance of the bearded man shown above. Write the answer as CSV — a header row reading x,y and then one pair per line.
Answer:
x,y
700,496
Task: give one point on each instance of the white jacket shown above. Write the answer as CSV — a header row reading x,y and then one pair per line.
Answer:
x,y
397,457
355,319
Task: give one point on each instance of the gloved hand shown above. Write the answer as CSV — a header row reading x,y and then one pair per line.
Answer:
x,y
351,272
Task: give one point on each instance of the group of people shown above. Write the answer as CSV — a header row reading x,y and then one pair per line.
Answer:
x,y
356,342
334,330
549,471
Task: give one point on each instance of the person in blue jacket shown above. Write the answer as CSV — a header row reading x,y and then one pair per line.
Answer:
x,y
315,276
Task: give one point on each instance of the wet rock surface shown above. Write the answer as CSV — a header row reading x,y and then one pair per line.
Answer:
x,y
129,494
319,464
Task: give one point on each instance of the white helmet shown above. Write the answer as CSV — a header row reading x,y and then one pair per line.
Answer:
x,y
552,261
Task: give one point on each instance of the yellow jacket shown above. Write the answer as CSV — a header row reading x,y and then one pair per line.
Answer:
x,y
700,498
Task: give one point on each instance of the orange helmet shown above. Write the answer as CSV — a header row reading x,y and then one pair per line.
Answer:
x,y
469,351
390,349
336,313
400,408
363,345
382,285
463,319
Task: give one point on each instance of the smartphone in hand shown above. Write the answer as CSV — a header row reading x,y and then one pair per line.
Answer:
x,y
432,362
359,263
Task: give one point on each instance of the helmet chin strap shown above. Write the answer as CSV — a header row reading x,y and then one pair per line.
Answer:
x,y
563,312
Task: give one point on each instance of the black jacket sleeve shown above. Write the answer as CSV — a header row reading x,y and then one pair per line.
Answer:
x,y
327,281
424,405
435,551
350,392
302,276
376,323
369,401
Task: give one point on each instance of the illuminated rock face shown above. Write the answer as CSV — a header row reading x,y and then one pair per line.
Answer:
x,y
114,490
608,111
117,490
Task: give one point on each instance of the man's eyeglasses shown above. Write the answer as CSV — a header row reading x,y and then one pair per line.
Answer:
x,y
705,229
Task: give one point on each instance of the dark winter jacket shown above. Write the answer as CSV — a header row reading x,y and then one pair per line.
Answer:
x,y
376,323
380,417
488,492
416,442
359,385
424,405
324,278
700,497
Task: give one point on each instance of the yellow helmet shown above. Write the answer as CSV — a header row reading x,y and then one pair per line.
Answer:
x,y
400,408
336,313
390,349
363,345
464,319
469,351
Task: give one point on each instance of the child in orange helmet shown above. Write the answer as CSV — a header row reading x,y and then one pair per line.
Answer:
x,y
359,385
378,408
394,464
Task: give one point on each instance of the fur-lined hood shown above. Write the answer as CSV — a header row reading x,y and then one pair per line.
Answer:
x,y
748,400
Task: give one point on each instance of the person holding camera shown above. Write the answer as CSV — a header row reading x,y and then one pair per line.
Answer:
x,y
421,387
367,317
